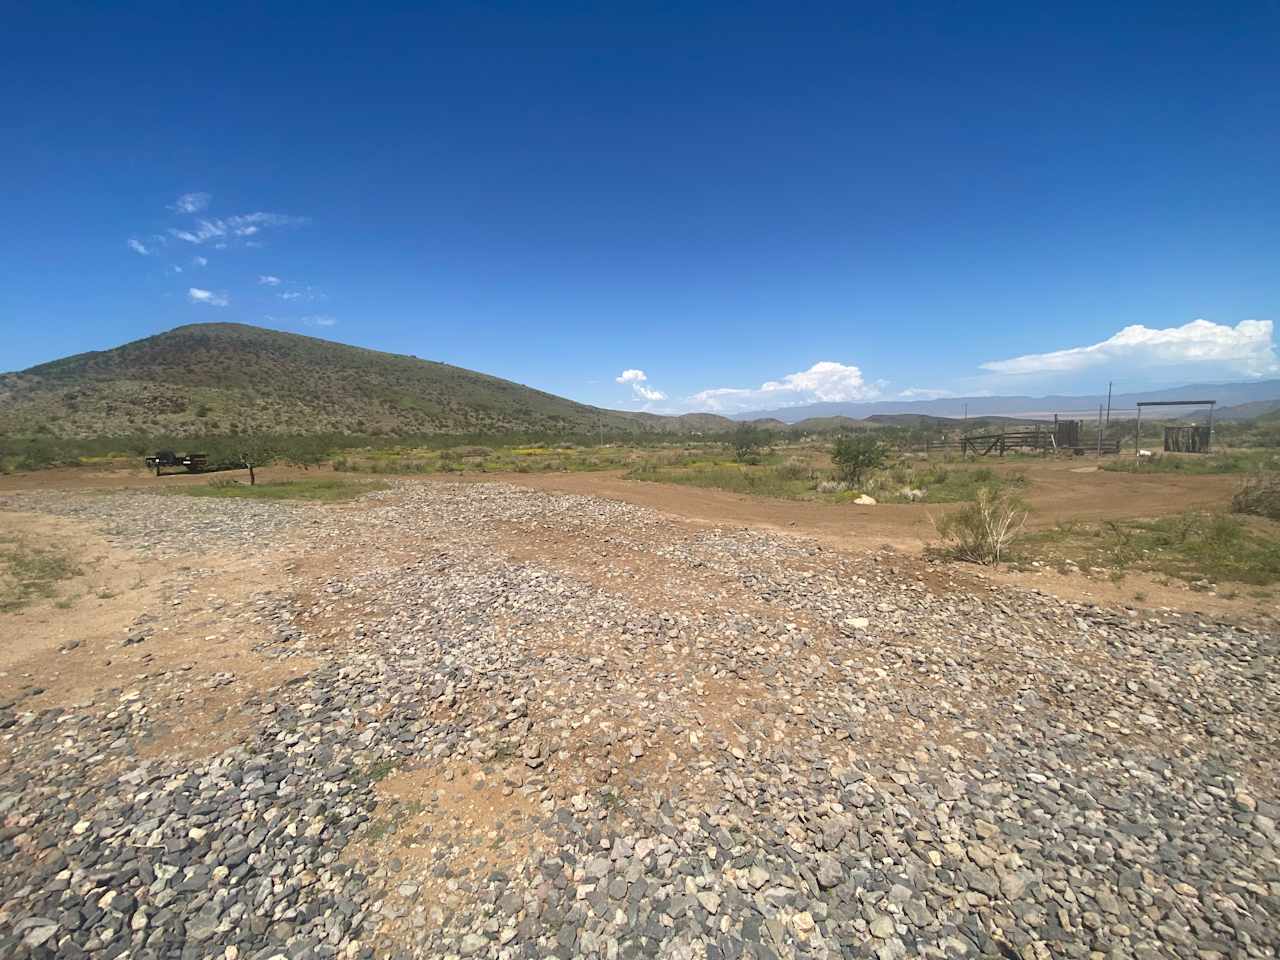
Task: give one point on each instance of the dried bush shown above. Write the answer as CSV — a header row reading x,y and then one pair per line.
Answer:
x,y
982,531
1260,496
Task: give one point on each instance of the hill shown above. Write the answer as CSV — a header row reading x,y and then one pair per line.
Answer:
x,y
217,377
1259,409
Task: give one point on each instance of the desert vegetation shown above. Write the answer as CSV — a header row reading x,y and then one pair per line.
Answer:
x,y
31,570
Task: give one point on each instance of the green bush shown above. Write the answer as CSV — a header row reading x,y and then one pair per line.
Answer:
x,y
856,454
747,442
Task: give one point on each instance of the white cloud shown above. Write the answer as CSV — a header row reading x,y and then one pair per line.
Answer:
x,y
320,320
137,246
637,380
1246,348
196,295
190,203
269,281
242,225
303,293
200,261
176,268
825,382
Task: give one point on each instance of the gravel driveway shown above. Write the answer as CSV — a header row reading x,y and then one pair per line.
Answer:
x,y
525,724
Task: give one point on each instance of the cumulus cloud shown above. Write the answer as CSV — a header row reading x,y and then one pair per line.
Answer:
x,y
825,382
1246,348
137,246
320,320
190,203
269,281
221,229
196,295
200,261
637,378
924,393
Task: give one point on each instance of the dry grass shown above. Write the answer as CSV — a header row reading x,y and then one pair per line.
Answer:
x,y
1259,495
29,573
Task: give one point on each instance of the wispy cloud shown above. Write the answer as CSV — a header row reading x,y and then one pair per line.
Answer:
x,y
1247,348
825,382
924,393
320,320
636,379
190,203
196,295
200,261
269,281
137,246
222,229
302,294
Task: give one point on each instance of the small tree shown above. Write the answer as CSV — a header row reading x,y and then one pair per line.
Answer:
x,y
256,452
248,451
855,454
747,441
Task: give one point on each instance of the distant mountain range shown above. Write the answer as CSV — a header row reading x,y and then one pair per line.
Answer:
x,y
1262,393
218,378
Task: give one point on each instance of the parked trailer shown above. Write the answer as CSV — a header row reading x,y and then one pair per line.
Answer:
x,y
191,462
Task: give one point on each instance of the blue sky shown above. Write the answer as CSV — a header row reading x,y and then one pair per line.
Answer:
x,y
745,205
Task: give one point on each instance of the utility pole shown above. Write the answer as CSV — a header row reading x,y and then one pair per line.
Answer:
x,y
1100,428
1109,403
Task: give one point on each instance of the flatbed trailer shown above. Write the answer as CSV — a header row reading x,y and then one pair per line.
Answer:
x,y
191,462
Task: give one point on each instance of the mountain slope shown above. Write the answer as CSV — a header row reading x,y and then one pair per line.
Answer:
x,y
215,377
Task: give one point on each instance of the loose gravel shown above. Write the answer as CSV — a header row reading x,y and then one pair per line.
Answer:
x,y
539,725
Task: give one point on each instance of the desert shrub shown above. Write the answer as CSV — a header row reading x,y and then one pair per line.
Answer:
x,y
794,470
1259,495
747,442
855,454
981,532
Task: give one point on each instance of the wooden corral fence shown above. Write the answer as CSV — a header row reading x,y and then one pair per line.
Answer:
x,y
1191,438
1197,441
1062,436
1067,436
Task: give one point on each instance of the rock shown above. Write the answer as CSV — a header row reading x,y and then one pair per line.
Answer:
x,y
882,927
830,873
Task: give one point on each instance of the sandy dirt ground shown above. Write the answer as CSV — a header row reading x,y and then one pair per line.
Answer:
x,y
1058,490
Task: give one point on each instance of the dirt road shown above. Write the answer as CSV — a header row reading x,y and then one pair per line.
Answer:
x,y
1057,490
